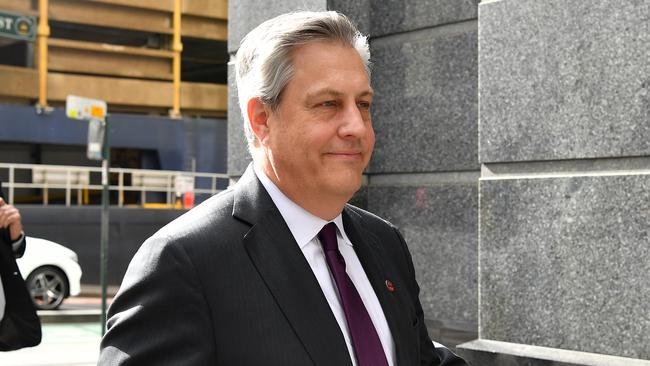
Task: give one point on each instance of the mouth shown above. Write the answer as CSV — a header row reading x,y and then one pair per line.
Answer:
x,y
345,155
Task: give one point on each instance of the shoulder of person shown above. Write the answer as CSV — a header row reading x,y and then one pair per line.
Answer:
x,y
208,223
370,218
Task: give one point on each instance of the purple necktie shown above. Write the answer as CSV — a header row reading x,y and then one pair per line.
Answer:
x,y
365,340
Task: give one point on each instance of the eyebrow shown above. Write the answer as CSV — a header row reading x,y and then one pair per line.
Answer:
x,y
336,93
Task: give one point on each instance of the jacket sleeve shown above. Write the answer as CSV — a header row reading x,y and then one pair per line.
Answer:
x,y
429,354
18,246
20,326
160,315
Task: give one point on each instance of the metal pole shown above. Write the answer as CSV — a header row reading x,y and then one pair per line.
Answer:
x,y
120,192
11,185
104,228
43,32
177,47
67,188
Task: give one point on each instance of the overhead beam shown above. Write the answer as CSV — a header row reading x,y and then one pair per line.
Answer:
x,y
18,6
116,14
104,59
109,48
18,82
217,9
160,5
110,15
146,93
137,95
204,96
207,28
206,8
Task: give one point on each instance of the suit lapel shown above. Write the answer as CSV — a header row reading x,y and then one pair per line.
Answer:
x,y
286,273
373,259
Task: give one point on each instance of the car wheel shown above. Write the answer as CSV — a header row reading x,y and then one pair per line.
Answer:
x,y
48,287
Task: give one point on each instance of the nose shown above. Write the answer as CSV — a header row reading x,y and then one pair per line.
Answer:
x,y
354,122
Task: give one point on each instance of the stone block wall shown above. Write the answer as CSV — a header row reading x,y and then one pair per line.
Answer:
x,y
564,136
564,262
424,171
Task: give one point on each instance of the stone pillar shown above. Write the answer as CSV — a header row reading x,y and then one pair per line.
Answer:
x,y
564,217
423,176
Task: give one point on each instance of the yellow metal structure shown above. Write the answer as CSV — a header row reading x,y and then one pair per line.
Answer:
x,y
164,206
43,34
177,47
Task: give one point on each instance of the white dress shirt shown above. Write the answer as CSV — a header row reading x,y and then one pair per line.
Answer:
x,y
305,228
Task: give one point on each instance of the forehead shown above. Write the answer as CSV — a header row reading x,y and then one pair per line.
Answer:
x,y
328,65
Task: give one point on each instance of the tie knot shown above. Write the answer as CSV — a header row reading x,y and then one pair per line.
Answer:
x,y
327,237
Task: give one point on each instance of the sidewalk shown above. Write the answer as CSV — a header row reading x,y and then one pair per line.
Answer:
x,y
82,309
71,335
62,345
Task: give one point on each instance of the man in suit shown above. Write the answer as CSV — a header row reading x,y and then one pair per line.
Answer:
x,y
279,270
19,324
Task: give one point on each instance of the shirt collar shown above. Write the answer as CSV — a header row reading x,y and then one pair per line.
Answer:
x,y
304,226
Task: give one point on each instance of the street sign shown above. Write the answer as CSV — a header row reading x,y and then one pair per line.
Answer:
x,y
85,108
94,111
17,26
96,130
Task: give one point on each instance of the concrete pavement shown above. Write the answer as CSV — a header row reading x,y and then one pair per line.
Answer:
x,y
82,309
72,344
71,336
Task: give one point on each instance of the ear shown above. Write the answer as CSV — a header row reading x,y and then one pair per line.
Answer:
x,y
258,117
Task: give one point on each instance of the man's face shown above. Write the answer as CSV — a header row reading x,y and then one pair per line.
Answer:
x,y
320,136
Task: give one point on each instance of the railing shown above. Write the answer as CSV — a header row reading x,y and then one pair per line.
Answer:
x,y
80,179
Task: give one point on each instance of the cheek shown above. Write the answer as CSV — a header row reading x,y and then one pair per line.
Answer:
x,y
371,137
319,138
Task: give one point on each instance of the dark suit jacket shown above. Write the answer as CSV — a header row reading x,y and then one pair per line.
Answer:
x,y
20,326
226,284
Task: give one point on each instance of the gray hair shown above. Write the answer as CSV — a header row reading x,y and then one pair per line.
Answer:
x,y
263,67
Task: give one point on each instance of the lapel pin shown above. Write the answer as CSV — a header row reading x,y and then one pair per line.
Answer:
x,y
389,286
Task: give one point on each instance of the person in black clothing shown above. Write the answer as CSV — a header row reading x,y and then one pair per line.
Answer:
x,y
19,324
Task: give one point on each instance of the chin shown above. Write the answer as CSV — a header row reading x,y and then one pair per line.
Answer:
x,y
347,188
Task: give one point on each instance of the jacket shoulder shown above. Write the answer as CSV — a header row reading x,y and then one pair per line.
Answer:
x,y
370,218
209,223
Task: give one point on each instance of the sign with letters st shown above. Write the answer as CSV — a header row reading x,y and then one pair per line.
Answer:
x,y
17,26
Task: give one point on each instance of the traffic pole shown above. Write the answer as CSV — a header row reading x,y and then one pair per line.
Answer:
x,y
104,221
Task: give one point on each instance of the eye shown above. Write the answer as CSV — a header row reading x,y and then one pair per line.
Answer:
x,y
328,103
363,105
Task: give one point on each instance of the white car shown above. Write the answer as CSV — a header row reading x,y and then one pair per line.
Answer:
x,y
51,272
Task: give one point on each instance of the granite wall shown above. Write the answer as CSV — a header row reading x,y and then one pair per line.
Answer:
x,y
564,136
424,173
